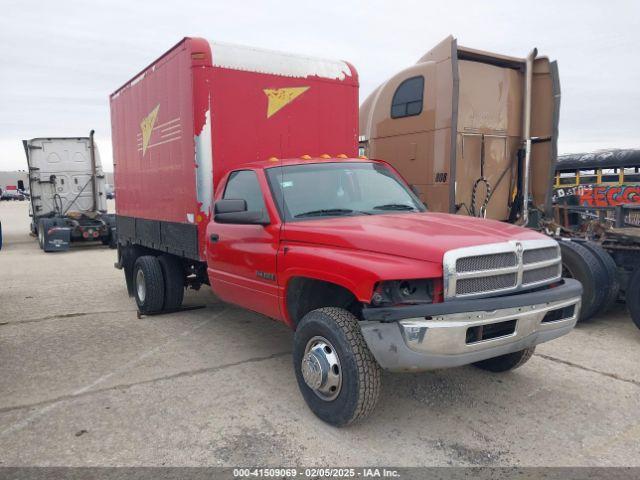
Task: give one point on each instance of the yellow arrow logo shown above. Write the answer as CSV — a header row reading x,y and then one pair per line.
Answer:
x,y
146,126
280,97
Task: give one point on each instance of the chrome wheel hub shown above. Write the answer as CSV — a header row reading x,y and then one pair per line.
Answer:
x,y
141,287
321,369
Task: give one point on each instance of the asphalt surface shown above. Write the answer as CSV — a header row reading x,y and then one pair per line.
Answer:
x,y
84,382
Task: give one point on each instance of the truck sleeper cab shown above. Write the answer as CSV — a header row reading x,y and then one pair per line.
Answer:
x,y
67,193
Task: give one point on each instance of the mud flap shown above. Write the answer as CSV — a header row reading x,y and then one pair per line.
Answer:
x,y
57,239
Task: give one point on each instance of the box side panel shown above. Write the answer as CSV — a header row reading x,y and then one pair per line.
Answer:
x,y
153,149
257,116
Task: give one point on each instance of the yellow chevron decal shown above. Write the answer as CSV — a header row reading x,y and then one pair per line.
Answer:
x,y
280,97
146,126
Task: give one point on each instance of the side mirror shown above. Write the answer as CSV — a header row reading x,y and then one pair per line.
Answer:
x,y
230,205
234,211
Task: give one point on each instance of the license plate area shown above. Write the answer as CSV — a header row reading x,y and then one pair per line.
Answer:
x,y
491,331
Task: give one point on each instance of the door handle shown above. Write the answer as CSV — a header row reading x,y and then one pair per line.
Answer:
x,y
214,237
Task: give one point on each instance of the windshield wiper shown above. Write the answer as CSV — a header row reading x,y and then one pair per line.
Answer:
x,y
330,211
395,206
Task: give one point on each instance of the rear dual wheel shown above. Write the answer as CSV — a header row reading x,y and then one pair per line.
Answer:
x,y
158,283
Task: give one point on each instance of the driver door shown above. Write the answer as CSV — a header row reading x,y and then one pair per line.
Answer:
x,y
241,259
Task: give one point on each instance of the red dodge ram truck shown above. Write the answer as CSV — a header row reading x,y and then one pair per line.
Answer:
x,y
213,188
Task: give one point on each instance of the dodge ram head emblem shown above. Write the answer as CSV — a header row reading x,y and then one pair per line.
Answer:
x,y
519,249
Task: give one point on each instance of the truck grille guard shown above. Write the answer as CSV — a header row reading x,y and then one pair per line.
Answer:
x,y
499,268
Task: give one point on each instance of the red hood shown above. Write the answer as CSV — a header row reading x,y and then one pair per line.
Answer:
x,y
423,236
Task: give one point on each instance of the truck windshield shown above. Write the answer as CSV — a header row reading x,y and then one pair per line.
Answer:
x,y
339,189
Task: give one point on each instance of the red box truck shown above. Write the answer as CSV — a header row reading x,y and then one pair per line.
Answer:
x,y
236,167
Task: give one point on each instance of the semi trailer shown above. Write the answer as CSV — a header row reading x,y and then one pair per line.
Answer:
x,y
272,207
476,132
67,193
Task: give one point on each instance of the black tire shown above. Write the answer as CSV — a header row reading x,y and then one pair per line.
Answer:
x,y
507,362
633,297
148,284
173,274
43,225
360,387
582,265
609,265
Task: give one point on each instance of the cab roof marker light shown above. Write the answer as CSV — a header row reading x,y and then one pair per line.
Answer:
x,y
342,155
325,155
273,159
363,157
305,157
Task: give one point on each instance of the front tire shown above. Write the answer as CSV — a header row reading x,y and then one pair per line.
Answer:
x,y
337,375
507,362
148,284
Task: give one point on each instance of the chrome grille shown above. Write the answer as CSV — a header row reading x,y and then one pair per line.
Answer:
x,y
540,274
539,254
500,267
486,262
469,286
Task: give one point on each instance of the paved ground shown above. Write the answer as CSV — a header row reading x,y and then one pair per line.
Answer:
x,y
84,382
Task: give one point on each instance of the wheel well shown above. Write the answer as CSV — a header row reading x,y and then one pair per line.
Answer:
x,y
195,272
307,294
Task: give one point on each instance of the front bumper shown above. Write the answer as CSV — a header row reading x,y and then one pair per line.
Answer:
x,y
455,333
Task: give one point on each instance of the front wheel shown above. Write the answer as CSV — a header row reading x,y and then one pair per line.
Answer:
x,y
337,374
507,362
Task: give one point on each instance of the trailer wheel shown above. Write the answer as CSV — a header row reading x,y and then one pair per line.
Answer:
x,y
507,362
610,267
173,274
582,265
633,297
336,373
148,284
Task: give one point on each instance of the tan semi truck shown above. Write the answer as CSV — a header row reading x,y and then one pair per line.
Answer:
x,y
476,134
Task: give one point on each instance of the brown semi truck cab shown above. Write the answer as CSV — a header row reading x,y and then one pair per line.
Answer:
x,y
475,132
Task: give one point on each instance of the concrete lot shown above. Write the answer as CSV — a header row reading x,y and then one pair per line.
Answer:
x,y
84,382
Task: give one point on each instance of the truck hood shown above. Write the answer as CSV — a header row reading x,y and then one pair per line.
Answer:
x,y
422,236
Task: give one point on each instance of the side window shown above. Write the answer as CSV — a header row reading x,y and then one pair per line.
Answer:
x,y
244,185
407,101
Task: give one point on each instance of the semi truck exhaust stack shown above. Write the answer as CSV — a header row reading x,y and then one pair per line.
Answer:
x,y
526,134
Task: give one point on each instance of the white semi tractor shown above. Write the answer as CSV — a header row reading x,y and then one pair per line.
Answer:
x,y
68,193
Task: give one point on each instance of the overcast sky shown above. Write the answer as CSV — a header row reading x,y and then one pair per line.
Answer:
x,y
59,60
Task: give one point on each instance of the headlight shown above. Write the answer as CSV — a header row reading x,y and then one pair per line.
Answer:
x,y
395,292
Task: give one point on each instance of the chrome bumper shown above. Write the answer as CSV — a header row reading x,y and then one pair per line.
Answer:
x,y
454,339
